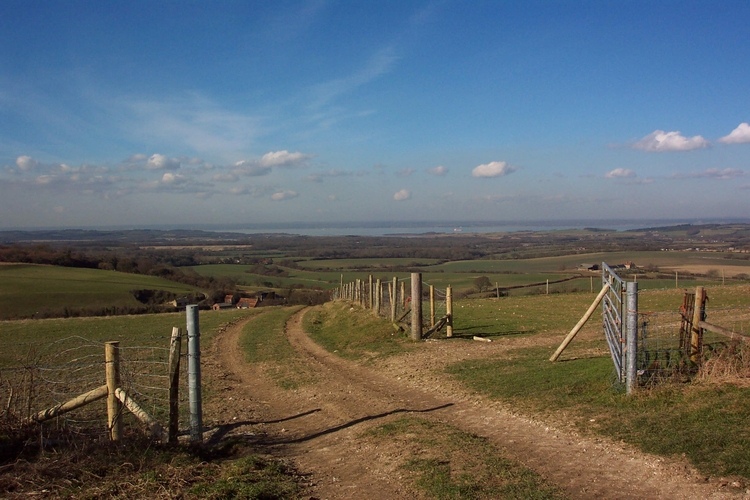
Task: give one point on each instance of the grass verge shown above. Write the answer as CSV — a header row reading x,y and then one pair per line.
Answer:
x,y
263,342
446,463
139,469
703,421
353,333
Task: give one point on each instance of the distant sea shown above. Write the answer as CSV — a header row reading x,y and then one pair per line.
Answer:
x,y
386,228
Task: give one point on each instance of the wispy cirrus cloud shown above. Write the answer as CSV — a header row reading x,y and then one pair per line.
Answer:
x,y
660,141
712,173
379,63
190,121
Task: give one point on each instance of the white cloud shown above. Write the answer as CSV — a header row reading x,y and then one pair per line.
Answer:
x,y
284,195
620,173
172,179
660,141
405,172
283,159
439,170
26,163
493,169
162,162
402,195
739,135
251,168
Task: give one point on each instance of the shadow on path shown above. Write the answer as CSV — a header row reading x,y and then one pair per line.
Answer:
x,y
355,422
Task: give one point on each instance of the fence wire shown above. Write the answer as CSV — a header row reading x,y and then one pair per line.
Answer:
x,y
59,371
663,355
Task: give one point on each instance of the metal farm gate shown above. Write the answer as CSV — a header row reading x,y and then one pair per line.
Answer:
x,y
620,323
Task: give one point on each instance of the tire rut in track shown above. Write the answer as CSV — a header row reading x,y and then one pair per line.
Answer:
x,y
317,426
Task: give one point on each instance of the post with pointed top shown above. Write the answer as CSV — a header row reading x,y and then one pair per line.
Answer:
x,y
416,306
194,374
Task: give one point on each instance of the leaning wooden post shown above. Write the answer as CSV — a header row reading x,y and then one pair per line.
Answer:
x,y
416,306
696,335
580,323
449,311
194,374
432,306
175,348
114,407
394,298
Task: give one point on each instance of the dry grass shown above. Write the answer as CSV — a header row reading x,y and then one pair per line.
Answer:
x,y
730,364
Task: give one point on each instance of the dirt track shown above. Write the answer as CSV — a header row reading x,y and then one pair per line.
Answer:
x,y
317,427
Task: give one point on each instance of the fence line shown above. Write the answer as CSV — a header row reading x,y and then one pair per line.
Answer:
x,y
53,374
389,299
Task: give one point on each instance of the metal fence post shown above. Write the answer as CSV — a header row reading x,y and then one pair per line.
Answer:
x,y
631,376
194,374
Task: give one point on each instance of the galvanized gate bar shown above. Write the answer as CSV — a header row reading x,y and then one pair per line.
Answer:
x,y
612,315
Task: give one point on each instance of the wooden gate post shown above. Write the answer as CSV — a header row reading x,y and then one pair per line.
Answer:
x,y
114,407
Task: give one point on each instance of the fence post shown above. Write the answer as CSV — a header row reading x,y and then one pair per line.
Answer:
x,y
378,290
194,374
394,298
416,306
114,407
403,296
631,374
449,311
432,306
175,348
696,335
370,295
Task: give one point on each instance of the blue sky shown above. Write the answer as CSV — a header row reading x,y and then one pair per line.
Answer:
x,y
232,112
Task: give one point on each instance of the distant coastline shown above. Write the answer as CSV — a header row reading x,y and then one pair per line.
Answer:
x,y
403,228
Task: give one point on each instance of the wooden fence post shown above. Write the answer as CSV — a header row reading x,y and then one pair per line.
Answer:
x,y
114,407
696,335
432,306
403,296
370,295
378,292
449,311
394,298
175,346
416,306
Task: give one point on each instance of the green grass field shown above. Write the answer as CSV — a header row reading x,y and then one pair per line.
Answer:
x,y
27,290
